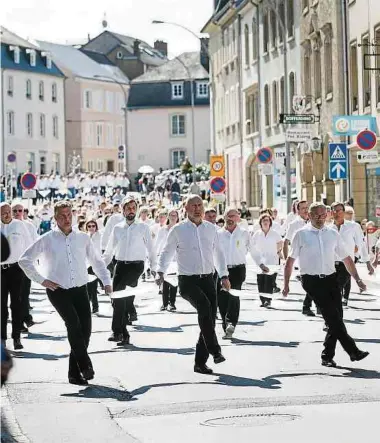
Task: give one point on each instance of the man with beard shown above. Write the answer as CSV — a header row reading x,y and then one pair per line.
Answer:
x,y
130,242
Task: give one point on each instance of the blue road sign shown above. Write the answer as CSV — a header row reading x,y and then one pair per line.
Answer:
x,y
264,155
338,163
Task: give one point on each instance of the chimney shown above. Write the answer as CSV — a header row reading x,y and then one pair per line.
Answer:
x,y
136,48
205,60
161,46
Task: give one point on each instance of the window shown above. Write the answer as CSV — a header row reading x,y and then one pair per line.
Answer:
x,y
109,101
16,53
56,163
275,117
41,90
292,86
109,135
282,95
99,165
87,99
366,74
10,86
54,92
267,105
246,45
328,64
265,32
178,157
252,113
32,57
28,89
273,25
354,83
55,126
255,50
290,18
178,125
177,90
99,134
42,125
377,66
281,12
42,163
317,69
119,135
30,161
29,124
11,123
306,71
90,166
89,134
202,89
120,167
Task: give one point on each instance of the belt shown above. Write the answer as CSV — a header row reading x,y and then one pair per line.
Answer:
x,y
318,275
8,265
125,262
236,266
197,275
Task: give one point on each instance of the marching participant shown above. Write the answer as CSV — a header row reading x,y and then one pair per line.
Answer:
x,y
197,244
64,254
130,242
316,247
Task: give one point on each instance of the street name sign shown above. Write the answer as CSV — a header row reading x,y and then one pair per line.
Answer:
x,y
293,119
338,163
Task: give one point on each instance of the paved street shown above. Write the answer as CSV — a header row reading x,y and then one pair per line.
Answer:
x,y
271,388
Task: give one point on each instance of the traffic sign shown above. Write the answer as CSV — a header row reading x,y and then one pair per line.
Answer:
x,y
217,185
367,156
366,140
11,157
265,169
217,168
28,180
264,155
292,119
29,193
338,164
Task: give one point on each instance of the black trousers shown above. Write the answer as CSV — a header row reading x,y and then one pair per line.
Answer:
x,y
326,294
126,274
344,279
229,305
169,294
25,293
200,292
92,289
74,308
11,285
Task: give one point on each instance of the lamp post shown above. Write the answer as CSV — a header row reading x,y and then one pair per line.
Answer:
x,y
125,116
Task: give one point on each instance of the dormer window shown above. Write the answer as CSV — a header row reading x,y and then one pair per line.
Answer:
x,y
177,90
48,58
16,53
32,56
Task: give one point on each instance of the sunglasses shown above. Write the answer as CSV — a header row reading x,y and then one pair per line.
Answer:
x,y
91,226
18,210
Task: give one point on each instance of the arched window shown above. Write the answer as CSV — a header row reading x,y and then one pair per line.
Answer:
x,y
275,116
41,90
246,44
29,124
329,70
54,92
267,105
255,49
317,70
292,86
28,89
282,95
273,26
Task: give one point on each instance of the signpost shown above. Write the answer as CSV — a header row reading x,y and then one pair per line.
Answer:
x,y
218,185
292,119
264,155
367,157
338,163
121,152
366,140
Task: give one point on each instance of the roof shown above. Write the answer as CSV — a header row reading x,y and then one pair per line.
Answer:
x,y
80,65
175,70
10,38
99,58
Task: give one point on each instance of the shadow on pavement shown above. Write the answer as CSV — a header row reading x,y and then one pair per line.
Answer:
x,y
102,392
34,355
39,336
179,351
352,373
280,344
147,328
252,323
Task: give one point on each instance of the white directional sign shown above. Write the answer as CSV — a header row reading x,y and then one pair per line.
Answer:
x,y
265,169
298,135
368,157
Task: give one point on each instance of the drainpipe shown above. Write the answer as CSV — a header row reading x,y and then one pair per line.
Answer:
x,y
240,77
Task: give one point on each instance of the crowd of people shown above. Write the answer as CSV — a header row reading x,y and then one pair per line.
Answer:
x,y
101,237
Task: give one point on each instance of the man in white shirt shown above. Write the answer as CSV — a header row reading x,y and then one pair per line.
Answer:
x,y
235,242
130,243
118,197
210,216
12,275
64,255
299,222
162,219
197,245
317,247
353,239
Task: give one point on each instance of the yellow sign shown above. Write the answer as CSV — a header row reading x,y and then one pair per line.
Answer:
x,y
217,166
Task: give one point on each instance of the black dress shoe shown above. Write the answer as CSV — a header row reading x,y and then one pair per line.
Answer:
x,y
24,330
88,373
124,341
30,323
78,381
329,363
218,358
133,317
17,344
360,355
308,312
203,369
163,308
116,337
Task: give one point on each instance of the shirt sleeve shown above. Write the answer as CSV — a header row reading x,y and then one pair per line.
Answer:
x,y
168,251
107,233
28,259
110,248
289,233
219,256
149,247
98,264
296,245
254,251
360,243
340,249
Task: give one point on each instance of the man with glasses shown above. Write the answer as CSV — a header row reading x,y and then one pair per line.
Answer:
x,y
353,241
317,247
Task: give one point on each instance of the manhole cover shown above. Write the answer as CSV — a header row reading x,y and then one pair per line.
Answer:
x,y
248,420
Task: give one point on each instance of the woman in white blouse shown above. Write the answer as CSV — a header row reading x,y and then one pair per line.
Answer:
x,y
91,228
267,244
169,291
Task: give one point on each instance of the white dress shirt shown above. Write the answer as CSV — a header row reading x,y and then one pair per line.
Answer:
x,y
96,241
130,243
32,230
294,226
64,259
352,237
317,250
111,223
196,247
18,238
265,247
235,244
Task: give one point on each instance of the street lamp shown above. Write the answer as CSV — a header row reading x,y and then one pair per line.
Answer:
x,y
125,116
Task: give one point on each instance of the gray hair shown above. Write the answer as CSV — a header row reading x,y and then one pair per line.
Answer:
x,y
316,205
229,209
192,197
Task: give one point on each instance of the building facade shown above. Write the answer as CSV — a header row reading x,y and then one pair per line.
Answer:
x,y
32,106
95,102
163,126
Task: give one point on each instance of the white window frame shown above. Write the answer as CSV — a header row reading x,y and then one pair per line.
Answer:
x,y
16,53
28,92
90,166
202,89
87,99
41,91
54,95
177,90
56,162
10,123
99,135
55,126
33,57
99,165
42,125
29,125
10,85
175,126
175,151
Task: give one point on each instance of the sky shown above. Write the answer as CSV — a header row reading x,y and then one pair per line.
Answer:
x,y
69,21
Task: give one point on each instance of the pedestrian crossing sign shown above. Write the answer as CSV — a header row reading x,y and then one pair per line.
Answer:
x,y
338,163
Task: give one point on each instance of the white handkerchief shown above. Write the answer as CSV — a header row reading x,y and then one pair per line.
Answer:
x,y
128,292
91,278
171,279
